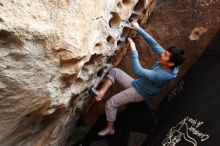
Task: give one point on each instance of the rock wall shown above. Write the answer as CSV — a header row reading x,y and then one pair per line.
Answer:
x,y
51,53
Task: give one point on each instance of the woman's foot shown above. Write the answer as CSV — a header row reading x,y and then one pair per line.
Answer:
x,y
97,94
106,131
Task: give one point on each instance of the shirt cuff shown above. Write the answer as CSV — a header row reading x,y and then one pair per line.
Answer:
x,y
134,53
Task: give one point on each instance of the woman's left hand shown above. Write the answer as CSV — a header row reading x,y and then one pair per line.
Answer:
x,y
132,44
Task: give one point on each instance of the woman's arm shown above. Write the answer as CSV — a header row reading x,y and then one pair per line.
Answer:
x,y
149,39
139,71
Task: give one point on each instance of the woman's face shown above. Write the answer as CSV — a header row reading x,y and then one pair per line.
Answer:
x,y
164,59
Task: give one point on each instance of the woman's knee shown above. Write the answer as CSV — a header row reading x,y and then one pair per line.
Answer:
x,y
114,71
112,74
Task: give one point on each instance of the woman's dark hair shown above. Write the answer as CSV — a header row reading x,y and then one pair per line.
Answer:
x,y
177,55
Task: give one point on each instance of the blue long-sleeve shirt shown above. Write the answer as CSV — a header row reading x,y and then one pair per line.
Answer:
x,y
150,81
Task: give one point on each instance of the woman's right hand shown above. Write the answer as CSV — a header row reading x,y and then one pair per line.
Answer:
x,y
134,25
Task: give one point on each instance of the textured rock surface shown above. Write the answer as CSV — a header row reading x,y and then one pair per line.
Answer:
x,y
51,53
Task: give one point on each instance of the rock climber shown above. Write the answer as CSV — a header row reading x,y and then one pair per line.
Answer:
x,y
149,82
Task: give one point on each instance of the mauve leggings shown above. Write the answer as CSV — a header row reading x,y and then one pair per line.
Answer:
x,y
126,96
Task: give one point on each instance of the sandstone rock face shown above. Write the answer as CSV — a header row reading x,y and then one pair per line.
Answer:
x,y
51,53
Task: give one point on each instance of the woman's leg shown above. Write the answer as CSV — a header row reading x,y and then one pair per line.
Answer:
x,y
117,75
121,77
124,97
